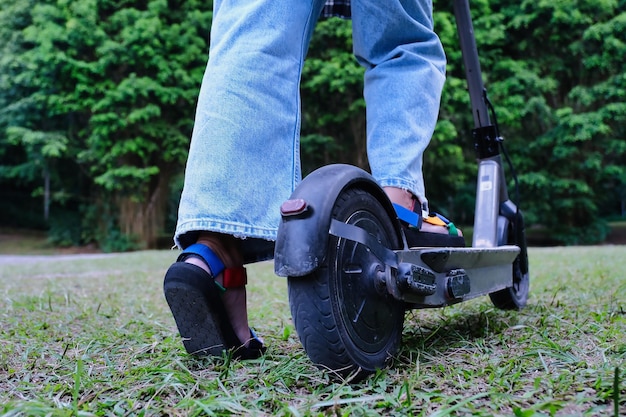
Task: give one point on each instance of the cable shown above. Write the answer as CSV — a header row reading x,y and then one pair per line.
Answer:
x,y
500,141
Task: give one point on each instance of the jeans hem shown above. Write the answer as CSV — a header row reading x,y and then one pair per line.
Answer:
x,y
238,230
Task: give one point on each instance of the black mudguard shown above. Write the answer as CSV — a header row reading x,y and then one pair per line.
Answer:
x,y
301,244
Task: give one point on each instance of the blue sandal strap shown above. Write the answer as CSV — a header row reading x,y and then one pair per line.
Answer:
x,y
212,260
408,216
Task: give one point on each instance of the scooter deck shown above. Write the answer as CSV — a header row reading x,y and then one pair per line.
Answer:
x,y
445,259
444,276
435,277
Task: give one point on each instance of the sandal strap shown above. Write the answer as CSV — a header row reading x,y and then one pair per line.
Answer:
x,y
254,350
410,217
415,220
205,253
439,220
435,220
234,277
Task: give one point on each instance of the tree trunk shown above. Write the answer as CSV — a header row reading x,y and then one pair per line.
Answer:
x,y
46,193
144,220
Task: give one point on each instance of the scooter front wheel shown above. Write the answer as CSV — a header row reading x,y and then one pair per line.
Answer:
x,y
345,318
515,296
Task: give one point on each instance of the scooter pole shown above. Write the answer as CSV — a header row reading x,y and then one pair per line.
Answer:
x,y
491,187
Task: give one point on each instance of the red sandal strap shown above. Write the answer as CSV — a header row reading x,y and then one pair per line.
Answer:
x,y
235,277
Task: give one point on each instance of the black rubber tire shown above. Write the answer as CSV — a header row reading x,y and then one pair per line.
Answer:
x,y
516,296
326,304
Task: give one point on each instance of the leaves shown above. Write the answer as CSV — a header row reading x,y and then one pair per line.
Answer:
x,y
107,87
560,110
100,94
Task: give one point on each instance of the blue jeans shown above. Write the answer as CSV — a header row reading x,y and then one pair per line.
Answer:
x,y
244,158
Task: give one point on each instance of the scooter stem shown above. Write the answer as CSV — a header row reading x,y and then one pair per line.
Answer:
x,y
473,74
491,188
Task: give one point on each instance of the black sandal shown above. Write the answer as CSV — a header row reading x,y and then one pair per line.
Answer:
x,y
196,304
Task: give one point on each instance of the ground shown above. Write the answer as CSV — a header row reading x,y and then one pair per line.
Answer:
x,y
18,241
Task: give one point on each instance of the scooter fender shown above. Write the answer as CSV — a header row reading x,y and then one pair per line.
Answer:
x,y
303,233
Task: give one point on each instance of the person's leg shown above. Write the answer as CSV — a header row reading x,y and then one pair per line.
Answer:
x,y
405,68
244,154
405,72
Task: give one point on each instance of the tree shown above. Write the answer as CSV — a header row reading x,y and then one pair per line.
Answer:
x,y
114,82
333,126
35,149
150,64
97,100
562,84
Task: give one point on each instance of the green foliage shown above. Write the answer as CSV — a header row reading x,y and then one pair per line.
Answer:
x,y
40,148
104,88
116,241
97,100
333,121
591,128
562,113
64,229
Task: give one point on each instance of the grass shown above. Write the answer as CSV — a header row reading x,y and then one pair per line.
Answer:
x,y
92,335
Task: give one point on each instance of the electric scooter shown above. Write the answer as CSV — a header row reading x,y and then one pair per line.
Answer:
x,y
352,275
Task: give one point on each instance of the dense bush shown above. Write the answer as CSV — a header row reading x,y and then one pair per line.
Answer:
x,y
97,100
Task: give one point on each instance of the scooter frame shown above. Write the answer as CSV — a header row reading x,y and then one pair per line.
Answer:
x,y
496,264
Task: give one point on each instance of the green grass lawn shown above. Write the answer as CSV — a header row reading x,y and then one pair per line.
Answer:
x,y
92,335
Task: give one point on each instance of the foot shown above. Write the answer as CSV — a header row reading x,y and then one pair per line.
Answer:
x,y
234,299
407,200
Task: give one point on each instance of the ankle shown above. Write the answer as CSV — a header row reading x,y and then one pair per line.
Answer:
x,y
401,197
224,246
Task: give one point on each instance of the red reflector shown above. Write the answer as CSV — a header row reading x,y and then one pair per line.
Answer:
x,y
293,207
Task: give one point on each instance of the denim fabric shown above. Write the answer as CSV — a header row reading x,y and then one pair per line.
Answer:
x,y
244,156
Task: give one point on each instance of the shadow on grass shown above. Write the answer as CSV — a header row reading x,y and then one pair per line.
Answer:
x,y
433,333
